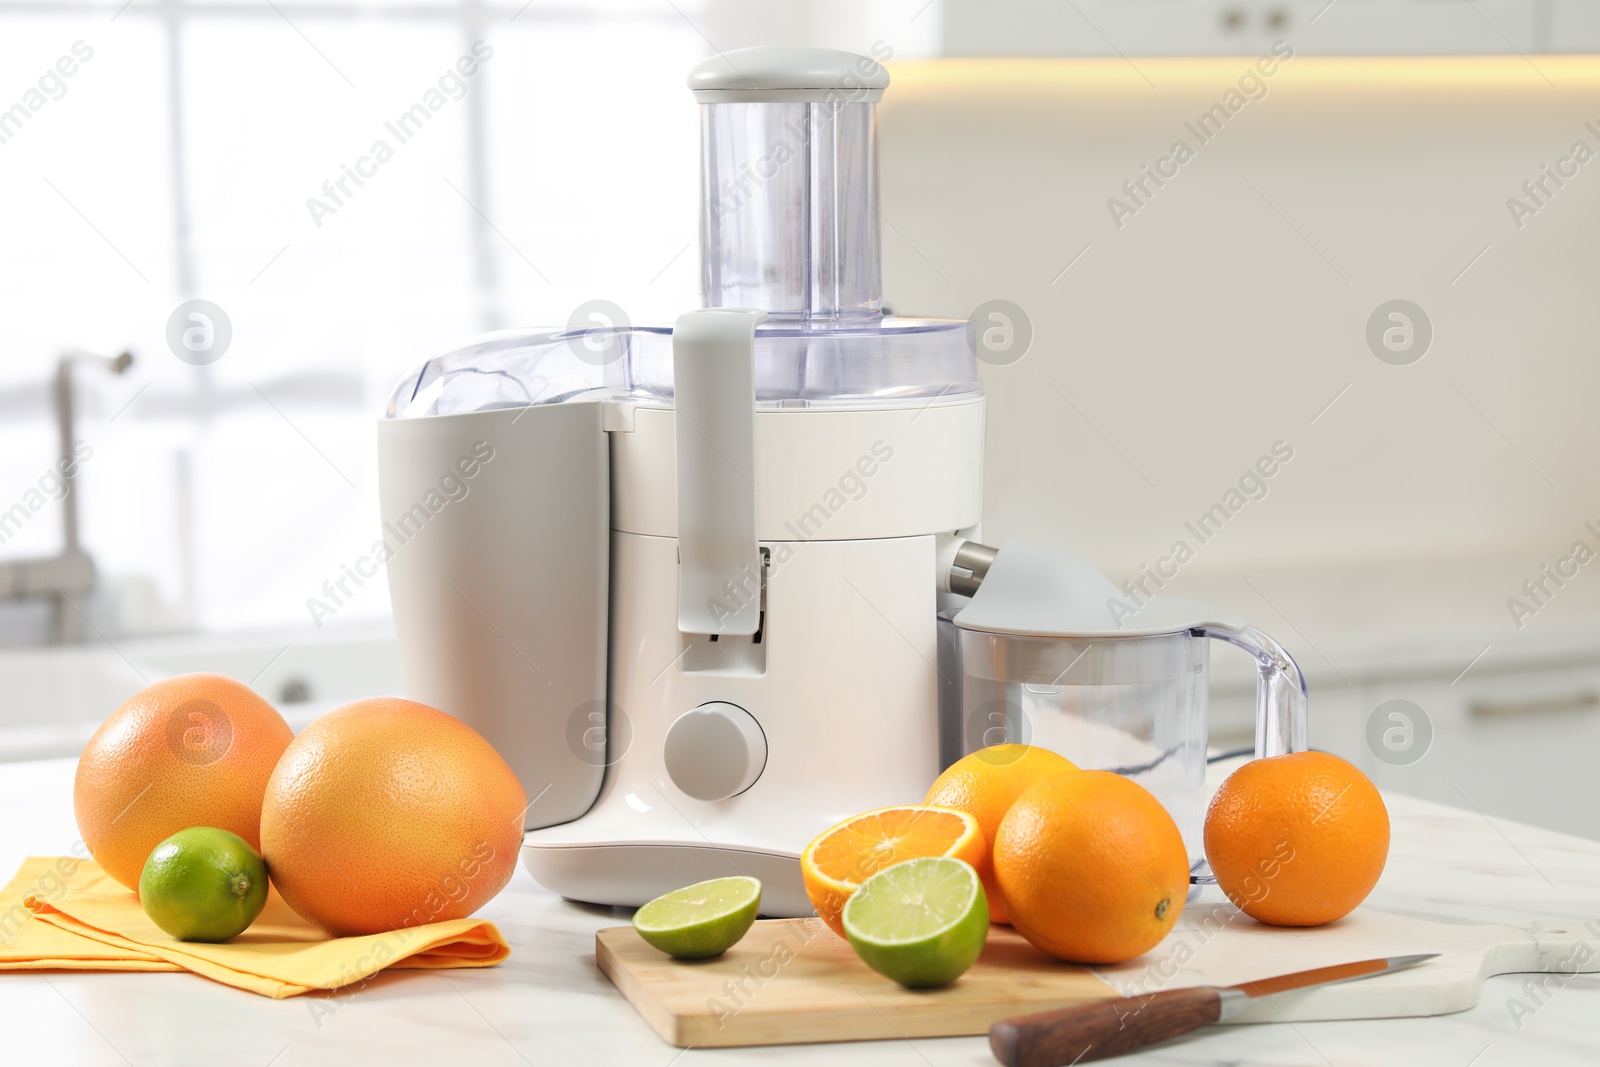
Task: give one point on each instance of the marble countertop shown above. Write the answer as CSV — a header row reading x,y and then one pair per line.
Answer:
x,y
549,1004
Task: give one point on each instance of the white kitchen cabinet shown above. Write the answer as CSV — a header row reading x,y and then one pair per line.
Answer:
x,y
1574,26
1518,745
1237,27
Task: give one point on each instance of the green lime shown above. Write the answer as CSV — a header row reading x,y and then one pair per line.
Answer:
x,y
203,884
701,920
921,922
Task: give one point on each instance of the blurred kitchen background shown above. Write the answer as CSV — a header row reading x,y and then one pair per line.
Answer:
x,y
216,491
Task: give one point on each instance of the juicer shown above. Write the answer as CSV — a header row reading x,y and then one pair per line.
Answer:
x,y
711,588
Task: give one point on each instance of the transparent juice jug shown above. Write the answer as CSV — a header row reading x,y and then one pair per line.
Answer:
x,y
1053,654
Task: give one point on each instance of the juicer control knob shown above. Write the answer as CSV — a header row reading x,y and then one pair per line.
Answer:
x,y
715,751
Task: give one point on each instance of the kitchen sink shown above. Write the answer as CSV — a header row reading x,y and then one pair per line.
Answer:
x,y
53,699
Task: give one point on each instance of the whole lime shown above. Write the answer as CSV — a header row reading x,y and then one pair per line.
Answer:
x,y
203,884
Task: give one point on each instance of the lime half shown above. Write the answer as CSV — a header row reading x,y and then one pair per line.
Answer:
x,y
701,920
922,922
203,884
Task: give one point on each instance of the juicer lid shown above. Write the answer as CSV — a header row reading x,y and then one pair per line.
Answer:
x,y
796,73
1039,592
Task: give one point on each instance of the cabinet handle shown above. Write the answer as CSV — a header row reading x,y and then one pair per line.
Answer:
x,y
1501,709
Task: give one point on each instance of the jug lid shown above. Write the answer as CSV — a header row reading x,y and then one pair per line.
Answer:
x,y
1040,592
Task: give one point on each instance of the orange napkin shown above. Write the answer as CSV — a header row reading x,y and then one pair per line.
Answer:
x,y
61,912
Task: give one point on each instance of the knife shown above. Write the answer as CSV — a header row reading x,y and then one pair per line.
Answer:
x,y
1112,1027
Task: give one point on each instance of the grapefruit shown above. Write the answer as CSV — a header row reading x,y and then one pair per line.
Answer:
x,y
385,814
193,750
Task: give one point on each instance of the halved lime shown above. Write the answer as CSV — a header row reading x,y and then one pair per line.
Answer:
x,y
701,920
203,884
921,922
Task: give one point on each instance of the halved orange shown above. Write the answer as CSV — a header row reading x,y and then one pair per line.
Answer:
x,y
842,857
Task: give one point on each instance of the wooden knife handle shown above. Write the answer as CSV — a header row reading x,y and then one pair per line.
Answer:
x,y
1103,1028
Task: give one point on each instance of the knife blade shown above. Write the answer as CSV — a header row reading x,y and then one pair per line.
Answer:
x,y
1111,1027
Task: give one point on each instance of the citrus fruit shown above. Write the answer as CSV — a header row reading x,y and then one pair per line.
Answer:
x,y
1093,868
203,884
985,784
387,813
1297,840
922,922
193,750
840,858
701,920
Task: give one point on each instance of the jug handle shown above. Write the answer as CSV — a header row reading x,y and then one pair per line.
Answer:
x,y
1280,688
1280,700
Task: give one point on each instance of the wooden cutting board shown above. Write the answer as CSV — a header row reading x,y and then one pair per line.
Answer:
x,y
791,981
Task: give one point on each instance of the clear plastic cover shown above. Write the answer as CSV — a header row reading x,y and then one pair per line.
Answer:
x,y
898,361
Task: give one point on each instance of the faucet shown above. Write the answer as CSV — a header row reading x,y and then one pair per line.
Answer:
x,y
70,572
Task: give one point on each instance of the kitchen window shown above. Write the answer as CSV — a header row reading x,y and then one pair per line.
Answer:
x,y
159,171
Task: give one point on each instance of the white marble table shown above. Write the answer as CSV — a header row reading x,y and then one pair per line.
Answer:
x,y
548,1004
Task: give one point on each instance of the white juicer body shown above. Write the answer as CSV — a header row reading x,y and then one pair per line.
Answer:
x,y
842,681
693,599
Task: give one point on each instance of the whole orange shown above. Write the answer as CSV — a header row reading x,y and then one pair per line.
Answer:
x,y
985,784
193,750
1092,867
1297,840
387,813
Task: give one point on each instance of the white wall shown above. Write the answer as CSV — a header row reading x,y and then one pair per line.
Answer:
x,y
1231,309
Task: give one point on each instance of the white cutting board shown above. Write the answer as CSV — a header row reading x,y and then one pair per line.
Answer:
x,y
1215,944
